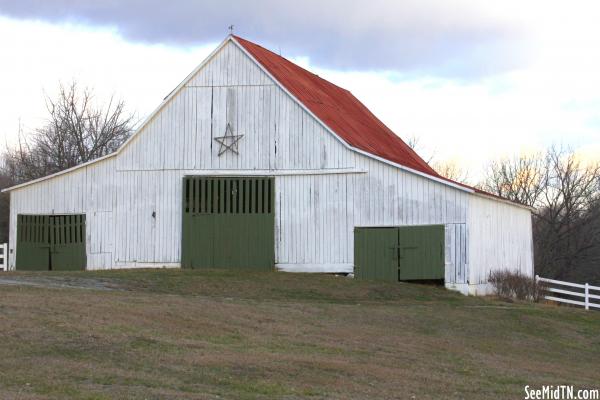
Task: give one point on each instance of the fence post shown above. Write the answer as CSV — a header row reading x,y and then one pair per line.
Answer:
x,y
4,257
587,296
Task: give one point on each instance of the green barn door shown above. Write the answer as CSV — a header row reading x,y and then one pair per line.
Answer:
x,y
421,252
67,238
51,242
399,253
375,254
228,223
33,243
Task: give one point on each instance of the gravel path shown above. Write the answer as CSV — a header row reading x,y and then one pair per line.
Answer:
x,y
58,282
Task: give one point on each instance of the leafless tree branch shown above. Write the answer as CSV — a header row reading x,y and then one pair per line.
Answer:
x,y
566,197
77,131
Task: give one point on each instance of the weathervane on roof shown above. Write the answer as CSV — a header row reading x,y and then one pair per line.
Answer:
x,y
230,27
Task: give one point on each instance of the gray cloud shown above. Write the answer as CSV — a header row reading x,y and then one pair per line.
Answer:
x,y
453,39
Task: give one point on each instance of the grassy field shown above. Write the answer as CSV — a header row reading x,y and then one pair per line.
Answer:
x,y
176,334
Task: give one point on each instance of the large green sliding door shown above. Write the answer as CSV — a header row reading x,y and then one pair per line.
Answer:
x,y
399,253
51,242
228,223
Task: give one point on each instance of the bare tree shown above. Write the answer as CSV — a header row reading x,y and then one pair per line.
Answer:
x,y
522,179
447,169
451,170
5,182
565,195
566,223
414,142
77,131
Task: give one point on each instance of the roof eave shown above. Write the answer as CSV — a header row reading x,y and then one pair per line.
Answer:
x,y
63,172
503,200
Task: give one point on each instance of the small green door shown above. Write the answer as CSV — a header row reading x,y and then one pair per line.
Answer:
x,y
33,243
421,250
399,253
228,223
375,254
51,242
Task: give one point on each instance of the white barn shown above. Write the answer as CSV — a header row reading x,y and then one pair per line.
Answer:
x,y
327,168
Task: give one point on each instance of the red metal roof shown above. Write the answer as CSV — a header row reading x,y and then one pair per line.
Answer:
x,y
342,112
339,110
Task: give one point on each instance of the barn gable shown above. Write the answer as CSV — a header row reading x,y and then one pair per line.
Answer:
x,y
231,89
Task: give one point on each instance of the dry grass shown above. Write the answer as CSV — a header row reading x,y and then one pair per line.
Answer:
x,y
188,334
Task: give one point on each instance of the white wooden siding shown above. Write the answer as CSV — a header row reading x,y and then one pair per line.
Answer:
x,y
89,190
456,254
500,238
389,196
278,133
230,67
314,221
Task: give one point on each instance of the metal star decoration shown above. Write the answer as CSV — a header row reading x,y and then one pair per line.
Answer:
x,y
229,141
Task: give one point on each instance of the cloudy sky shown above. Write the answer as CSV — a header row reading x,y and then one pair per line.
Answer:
x,y
473,80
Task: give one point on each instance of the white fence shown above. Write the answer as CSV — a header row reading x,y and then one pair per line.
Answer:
x,y
3,257
586,295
